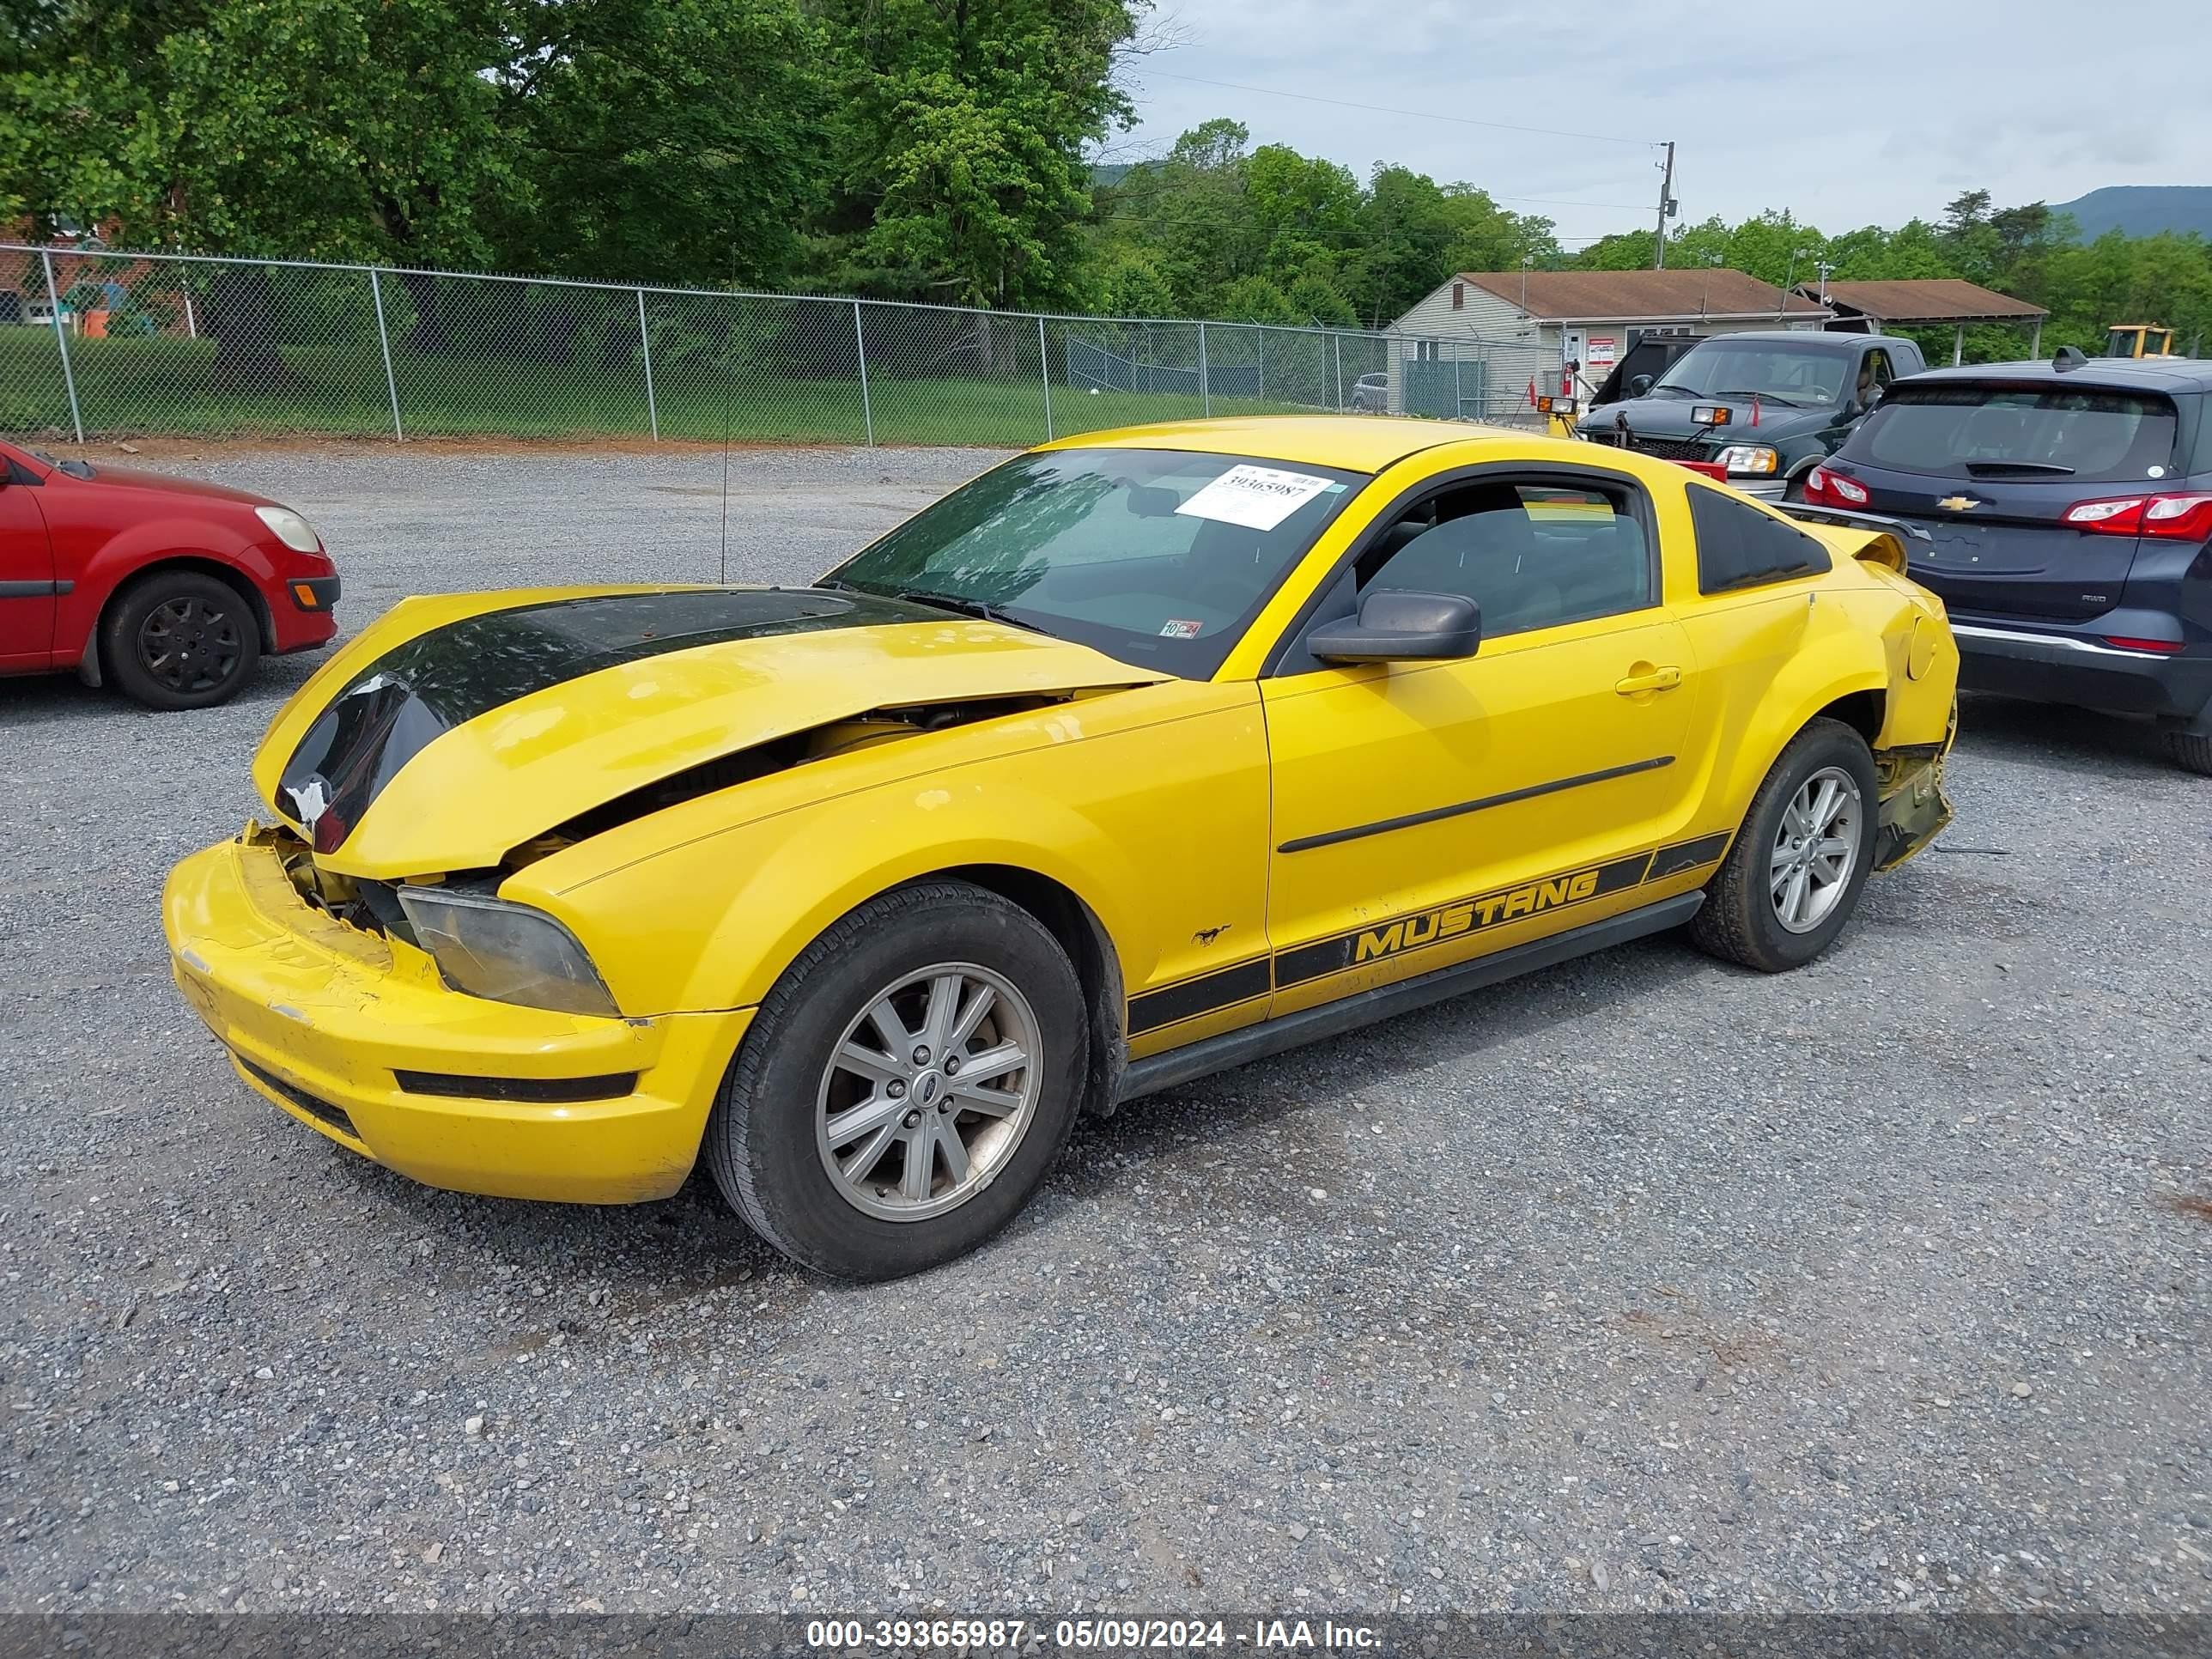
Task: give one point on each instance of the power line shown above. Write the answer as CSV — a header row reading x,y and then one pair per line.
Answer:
x,y
1133,215
1418,114
1561,201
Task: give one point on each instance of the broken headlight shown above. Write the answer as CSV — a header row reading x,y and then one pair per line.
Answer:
x,y
486,947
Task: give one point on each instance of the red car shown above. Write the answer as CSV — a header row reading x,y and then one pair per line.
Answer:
x,y
170,588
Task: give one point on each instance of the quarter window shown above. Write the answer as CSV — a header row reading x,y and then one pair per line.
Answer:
x,y
1532,556
1740,545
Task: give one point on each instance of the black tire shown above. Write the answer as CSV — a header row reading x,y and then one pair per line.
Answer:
x,y
1740,921
762,1143
177,639
2190,753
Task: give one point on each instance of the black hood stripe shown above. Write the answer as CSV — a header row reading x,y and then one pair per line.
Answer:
x,y
395,706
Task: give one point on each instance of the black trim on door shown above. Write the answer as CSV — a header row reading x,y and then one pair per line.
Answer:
x,y
1280,659
31,590
1224,987
1383,826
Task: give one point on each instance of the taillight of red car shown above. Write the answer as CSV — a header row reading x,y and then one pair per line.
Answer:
x,y
1834,489
2168,518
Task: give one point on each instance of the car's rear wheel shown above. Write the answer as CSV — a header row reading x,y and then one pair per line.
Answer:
x,y
1792,879
177,639
905,1085
2190,753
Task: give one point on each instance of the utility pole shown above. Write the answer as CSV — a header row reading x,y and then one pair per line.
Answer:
x,y
1666,208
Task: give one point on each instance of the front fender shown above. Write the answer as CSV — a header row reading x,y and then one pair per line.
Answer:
x,y
676,933
97,571
1155,820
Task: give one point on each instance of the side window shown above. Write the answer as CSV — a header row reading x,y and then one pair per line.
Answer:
x,y
1740,545
1532,556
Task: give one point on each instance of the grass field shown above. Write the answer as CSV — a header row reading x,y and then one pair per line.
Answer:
x,y
164,385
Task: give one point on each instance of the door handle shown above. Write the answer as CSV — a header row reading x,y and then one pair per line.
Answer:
x,y
1659,679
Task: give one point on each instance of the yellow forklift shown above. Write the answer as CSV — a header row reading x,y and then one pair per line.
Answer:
x,y
2138,340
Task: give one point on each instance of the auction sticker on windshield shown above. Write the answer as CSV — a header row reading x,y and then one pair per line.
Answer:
x,y
1257,497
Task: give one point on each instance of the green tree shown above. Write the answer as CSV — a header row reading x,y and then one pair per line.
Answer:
x,y
1314,299
962,138
677,139
1406,237
1255,300
1132,286
1487,237
316,129
1189,213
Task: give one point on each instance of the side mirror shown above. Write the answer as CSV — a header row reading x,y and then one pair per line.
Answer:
x,y
1639,384
1401,626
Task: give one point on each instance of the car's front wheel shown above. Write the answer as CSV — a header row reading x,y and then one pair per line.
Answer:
x,y
1794,876
177,639
906,1084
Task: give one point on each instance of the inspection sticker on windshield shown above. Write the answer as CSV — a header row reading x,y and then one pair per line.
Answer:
x,y
1177,628
1257,497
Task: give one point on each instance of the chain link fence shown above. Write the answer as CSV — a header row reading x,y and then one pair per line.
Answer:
x,y
113,345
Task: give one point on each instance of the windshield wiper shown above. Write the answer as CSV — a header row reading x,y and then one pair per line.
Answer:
x,y
980,609
1668,385
1765,398
1982,469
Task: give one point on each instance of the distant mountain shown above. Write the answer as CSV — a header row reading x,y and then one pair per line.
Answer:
x,y
2143,210
1104,175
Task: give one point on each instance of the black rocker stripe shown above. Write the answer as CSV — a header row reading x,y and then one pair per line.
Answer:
x,y
1187,999
1687,855
1224,987
1333,956
1383,826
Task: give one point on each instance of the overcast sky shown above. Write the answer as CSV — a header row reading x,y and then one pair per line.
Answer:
x,y
1849,114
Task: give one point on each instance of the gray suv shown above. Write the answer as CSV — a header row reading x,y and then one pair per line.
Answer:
x,y
2069,512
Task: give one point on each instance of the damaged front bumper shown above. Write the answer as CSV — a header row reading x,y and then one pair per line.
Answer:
x,y
354,1035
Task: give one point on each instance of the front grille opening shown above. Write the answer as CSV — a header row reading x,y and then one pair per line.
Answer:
x,y
541,1090
321,1110
1668,449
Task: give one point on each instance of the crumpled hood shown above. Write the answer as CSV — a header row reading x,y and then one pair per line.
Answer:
x,y
455,730
1669,417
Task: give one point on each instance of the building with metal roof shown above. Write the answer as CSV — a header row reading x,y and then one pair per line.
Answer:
x,y
1872,307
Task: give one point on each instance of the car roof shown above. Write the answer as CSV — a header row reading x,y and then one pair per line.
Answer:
x,y
1801,336
1357,443
2111,374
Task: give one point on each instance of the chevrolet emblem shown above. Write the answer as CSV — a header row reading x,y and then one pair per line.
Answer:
x,y
1959,503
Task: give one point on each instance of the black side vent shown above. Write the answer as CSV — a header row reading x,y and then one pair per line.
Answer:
x,y
315,1107
545,1091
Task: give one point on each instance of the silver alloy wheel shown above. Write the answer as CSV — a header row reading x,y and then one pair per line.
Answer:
x,y
929,1092
1816,848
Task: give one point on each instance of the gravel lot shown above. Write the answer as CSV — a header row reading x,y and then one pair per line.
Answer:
x,y
1639,1282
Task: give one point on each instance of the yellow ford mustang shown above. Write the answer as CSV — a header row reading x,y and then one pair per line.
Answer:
x,y
1142,755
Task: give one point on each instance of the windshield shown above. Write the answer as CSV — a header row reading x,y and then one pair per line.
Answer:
x,y
1726,369
1969,431
1159,557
